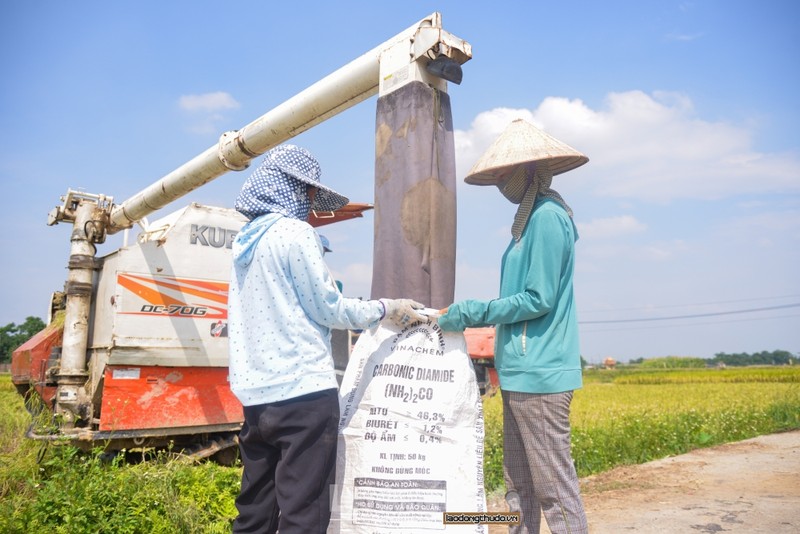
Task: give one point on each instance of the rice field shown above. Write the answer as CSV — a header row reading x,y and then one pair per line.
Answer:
x,y
624,417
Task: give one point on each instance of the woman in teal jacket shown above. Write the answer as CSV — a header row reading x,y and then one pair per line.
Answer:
x,y
536,343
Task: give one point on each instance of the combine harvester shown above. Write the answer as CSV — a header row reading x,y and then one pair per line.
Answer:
x,y
135,354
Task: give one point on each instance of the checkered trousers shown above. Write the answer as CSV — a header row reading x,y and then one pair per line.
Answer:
x,y
537,463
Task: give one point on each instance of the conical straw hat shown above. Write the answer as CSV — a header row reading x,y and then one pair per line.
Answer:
x,y
519,144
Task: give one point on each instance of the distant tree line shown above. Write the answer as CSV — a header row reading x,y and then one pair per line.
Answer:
x,y
739,359
673,362
13,335
775,357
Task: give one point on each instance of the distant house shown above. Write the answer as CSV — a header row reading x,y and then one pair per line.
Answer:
x,y
609,363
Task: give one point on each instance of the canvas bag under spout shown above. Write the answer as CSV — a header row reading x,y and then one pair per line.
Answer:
x,y
410,434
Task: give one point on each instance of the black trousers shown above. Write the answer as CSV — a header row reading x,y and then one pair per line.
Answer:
x,y
289,454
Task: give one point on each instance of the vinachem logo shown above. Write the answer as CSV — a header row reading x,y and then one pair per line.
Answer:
x,y
167,296
430,330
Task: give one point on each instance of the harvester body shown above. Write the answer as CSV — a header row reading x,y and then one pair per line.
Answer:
x,y
157,362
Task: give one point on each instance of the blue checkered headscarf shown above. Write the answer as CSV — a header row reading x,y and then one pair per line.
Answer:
x,y
280,185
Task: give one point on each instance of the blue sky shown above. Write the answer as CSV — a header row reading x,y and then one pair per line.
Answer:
x,y
688,111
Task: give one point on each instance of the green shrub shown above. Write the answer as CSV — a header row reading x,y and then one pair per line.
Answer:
x,y
493,442
76,492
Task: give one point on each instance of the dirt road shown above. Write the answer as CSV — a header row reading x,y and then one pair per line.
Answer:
x,y
751,486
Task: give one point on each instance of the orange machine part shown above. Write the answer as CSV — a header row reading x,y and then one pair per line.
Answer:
x,y
352,210
29,361
480,346
480,342
142,397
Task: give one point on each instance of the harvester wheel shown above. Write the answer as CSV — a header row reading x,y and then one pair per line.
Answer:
x,y
227,457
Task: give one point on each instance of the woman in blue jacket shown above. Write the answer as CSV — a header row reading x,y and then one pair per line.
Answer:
x,y
537,354
282,305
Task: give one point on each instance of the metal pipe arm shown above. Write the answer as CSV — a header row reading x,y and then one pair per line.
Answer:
x,y
344,88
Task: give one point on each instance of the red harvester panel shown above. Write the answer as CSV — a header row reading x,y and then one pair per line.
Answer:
x,y
480,346
29,361
480,342
167,397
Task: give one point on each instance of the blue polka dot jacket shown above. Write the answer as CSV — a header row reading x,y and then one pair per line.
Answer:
x,y
282,305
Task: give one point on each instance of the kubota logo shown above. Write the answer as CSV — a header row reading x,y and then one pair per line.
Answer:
x,y
213,236
173,297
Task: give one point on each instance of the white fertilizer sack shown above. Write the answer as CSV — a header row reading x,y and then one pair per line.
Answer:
x,y
410,434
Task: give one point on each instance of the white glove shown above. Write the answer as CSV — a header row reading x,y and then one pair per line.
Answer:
x,y
402,312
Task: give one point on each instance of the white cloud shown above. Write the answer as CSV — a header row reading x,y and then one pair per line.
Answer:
x,y
207,102
610,227
648,147
205,111
607,256
684,36
662,251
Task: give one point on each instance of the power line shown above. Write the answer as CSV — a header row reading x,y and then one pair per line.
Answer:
x,y
691,316
688,305
684,325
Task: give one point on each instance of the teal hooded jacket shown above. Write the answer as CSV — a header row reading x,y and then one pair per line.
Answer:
x,y
536,341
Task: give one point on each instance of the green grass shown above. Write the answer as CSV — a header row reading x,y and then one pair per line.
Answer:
x,y
620,417
77,492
